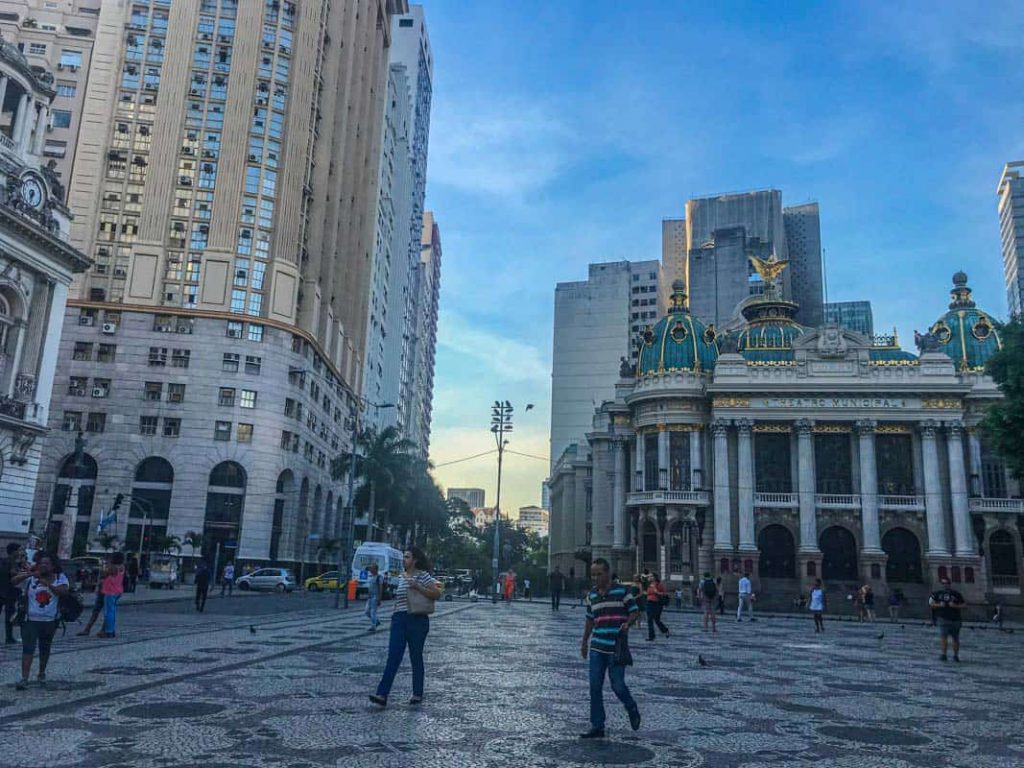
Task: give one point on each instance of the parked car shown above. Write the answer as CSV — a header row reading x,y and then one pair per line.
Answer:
x,y
327,580
268,580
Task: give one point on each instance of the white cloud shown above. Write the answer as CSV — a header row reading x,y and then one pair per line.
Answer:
x,y
498,355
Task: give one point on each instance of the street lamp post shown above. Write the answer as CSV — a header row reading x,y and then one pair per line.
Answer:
x,y
501,424
345,550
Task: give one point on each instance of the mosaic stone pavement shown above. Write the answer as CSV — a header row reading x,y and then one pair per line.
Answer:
x,y
506,687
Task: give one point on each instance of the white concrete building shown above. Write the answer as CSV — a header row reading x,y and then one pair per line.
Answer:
x,y
597,322
37,266
533,518
1011,229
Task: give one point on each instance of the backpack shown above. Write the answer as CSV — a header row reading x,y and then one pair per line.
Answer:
x,y
69,608
709,588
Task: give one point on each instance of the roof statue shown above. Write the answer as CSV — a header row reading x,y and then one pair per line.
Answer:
x,y
769,269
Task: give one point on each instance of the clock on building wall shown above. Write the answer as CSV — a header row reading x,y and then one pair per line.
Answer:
x,y
32,191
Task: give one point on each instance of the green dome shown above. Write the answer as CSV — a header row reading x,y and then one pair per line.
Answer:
x,y
965,333
770,331
678,342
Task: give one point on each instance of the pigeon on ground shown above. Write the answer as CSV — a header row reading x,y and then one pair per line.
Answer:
x,y
881,636
252,630
700,660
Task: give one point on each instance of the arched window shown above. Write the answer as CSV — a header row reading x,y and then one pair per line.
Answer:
x,y
225,505
283,506
838,554
778,553
76,485
328,528
301,520
154,470
149,507
649,538
228,474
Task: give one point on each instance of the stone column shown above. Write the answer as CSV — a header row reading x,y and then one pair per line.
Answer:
x,y
745,491
663,457
868,486
723,528
962,535
43,116
639,474
619,486
937,545
696,463
3,88
805,474
974,444
20,116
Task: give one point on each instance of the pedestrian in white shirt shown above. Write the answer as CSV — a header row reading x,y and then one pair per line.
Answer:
x,y
817,606
746,599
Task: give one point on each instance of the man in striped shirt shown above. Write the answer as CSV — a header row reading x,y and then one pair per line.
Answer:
x,y
611,610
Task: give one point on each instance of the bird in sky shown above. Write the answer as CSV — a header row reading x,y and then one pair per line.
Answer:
x,y
528,406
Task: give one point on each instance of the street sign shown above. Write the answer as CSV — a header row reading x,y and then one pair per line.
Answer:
x,y
231,544
364,575
314,536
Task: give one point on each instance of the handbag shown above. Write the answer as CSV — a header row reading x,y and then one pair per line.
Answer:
x,y
419,604
621,656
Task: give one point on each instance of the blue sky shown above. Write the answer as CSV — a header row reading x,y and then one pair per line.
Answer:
x,y
564,132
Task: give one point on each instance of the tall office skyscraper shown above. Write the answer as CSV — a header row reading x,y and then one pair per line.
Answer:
x,y
722,232
418,386
597,322
853,315
1011,228
397,254
226,185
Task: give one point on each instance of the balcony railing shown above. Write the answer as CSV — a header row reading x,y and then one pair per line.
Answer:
x,y
13,408
987,504
787,500
668,497
837,500
1006,582
897,502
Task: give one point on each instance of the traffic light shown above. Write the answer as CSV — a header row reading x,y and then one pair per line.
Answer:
x,y
117,502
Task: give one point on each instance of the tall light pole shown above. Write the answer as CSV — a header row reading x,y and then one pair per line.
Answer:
x,y
501,424
345,551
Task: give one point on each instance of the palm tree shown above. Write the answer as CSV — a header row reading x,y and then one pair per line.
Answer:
x,y
384,469
106,541
193,541
159,542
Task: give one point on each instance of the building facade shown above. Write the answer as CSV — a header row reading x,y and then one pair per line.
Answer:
x,y
474,497
802,225
1011,230
216,347
418,384
596,321
59,37
851,315
533,519
37,267
794,454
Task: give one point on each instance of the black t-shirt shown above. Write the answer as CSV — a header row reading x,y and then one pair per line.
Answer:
x,y
557,581
942,602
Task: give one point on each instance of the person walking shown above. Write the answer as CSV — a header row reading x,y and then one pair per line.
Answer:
x,y
44,584
112,584
526,590
556,583
97,609
373,585
708,591
8,592
721,596
868,598
410,624
202,580
679,599
746,598
817,606
132,572
510,586
611,610
657,599
228,580
947,605
895,598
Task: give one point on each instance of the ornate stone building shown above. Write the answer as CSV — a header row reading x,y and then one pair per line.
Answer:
x,y
794,454
36,268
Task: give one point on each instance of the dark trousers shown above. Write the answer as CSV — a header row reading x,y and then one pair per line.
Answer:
x,y
406,630
600,665
229,585
654,617
556,599
202,589
133,582
9,605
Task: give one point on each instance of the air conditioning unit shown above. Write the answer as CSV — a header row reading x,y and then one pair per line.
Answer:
x,y
99,392
86,320
78,392
120,272
184,329
110,328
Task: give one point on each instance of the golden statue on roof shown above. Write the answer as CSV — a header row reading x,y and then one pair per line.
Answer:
x,y
769,269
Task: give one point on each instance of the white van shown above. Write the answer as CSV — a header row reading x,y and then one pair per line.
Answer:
x,y
387,558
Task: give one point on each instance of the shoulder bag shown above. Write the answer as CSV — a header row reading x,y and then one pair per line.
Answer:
x,y
419,604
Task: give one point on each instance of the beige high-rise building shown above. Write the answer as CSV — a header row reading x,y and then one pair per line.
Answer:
x,y
225,184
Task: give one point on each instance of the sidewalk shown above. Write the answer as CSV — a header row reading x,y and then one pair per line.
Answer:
x,y
143,595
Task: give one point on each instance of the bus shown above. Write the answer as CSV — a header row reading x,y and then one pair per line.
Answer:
x,y
386,557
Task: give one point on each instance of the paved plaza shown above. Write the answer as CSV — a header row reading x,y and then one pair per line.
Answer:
x,y
506,687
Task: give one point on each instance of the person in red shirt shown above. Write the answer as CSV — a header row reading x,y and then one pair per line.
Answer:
x,y
510,585
657,599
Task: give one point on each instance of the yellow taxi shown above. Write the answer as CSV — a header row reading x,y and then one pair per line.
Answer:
x,y
324,581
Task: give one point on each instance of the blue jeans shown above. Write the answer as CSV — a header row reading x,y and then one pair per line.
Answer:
x,y
371,610
600,663
406,630
110,612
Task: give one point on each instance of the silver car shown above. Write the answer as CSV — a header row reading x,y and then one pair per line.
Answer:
x,y
268,580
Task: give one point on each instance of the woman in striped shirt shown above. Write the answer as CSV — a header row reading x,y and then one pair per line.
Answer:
x,y
408,629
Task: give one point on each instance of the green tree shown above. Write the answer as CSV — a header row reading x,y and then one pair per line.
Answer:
x,y
159,542
1004,421
384,470
107,541
327,549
